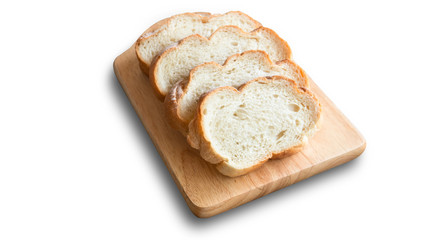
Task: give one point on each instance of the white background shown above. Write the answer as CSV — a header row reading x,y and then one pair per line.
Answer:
x,y
76,163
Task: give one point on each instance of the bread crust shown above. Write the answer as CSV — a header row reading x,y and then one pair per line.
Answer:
x,y
304,77
155,64
171,103
156,28
174,97
197,138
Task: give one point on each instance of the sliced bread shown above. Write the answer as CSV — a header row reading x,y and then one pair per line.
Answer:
x,y
176,62
239,130
181,102
175,28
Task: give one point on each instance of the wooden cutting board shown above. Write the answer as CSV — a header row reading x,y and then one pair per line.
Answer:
x,y
205,190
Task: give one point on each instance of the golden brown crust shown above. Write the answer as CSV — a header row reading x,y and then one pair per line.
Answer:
x,y
197,138
304,77
227,170
173,99
193,138
154,66
154,31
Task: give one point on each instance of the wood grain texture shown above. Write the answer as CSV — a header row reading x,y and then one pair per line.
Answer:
x,y
205,190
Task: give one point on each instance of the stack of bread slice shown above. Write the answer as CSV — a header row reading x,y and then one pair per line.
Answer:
x,y
230,87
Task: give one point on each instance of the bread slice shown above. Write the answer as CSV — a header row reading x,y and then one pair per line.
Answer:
x,y
175,28
181,102
175,63
241,129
